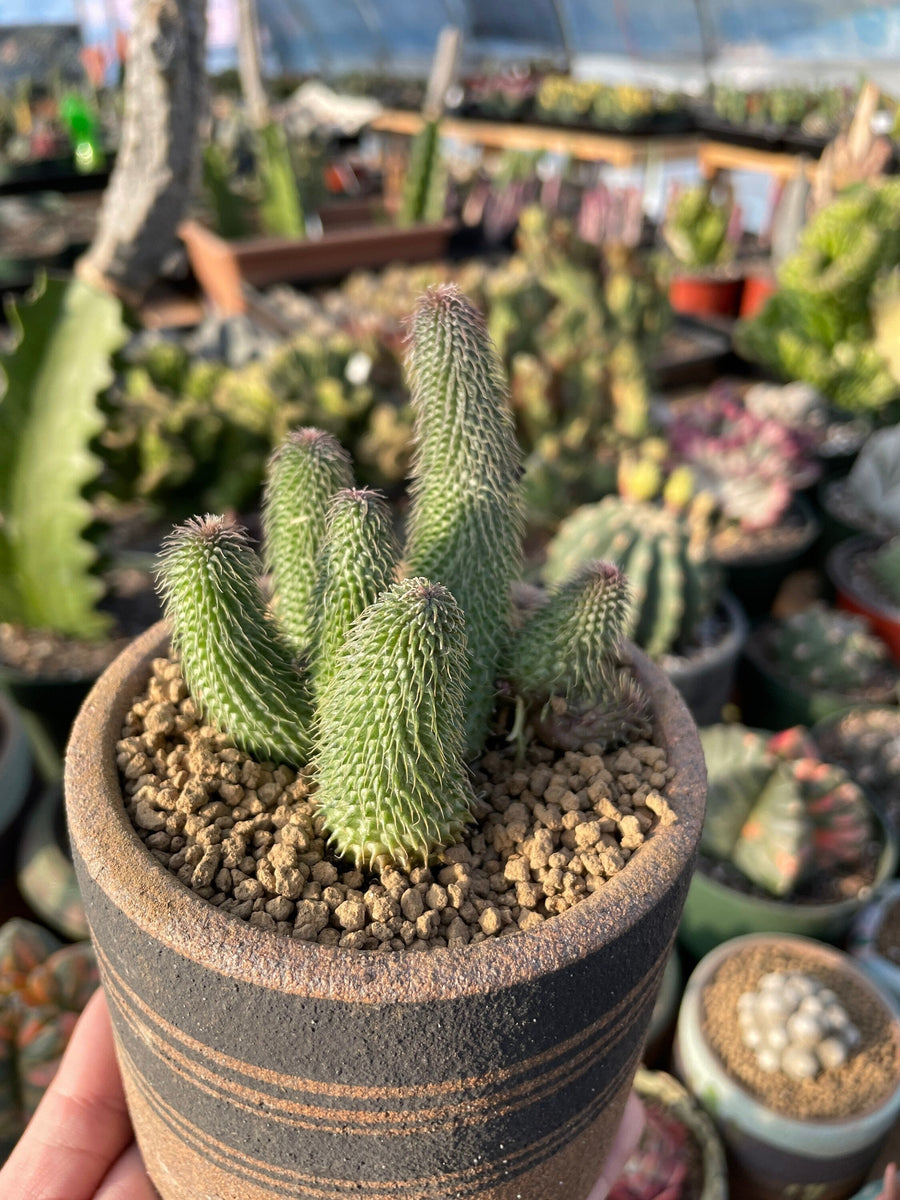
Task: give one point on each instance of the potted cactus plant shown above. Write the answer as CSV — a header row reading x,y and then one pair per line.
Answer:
x,y
313,1018
680,615
800,669
790,844
866,577
701,230
865,740
868,500
795,1054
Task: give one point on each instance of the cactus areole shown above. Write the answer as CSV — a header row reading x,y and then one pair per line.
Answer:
x,y
261,1066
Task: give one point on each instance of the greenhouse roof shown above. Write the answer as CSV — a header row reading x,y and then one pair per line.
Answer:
x,y
747,40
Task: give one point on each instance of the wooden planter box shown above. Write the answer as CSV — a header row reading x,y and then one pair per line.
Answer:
x,y
222,268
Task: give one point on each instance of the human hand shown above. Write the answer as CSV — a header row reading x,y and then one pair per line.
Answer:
x,y
79,1144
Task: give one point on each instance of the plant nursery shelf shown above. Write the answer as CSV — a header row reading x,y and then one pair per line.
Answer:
x,y
617,149
723,156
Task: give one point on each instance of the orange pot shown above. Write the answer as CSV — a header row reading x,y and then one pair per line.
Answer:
x,y
757,290
702,296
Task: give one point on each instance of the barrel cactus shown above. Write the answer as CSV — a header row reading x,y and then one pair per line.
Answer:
x,y
673,579
777,812
831,650
388,685
44,985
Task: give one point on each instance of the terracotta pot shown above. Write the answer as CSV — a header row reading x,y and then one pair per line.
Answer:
x,y
259,1067
883,619
775,1157
714,912
705,296
222,268
757,290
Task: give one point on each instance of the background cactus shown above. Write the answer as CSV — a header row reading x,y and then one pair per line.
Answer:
x,y
696,227
673,580
413,682
44,985
777,812
65,337
830,650
281,213
874,480
886,570
425,187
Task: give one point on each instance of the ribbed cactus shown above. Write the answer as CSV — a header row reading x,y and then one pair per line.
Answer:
x,y
425,187
779,813
827,649
465,522
355,565
404,674
392,783
235,660
304,474
672,577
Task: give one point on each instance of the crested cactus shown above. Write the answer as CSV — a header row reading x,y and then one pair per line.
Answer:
x,y
779,813
48,413
235,660
355,565
413,795
672,577
831,650
304,474
398,684
44,985
465,522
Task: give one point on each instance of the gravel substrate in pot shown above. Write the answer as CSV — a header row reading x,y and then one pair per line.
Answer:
x,y
858,590
706,678
813,1126
259,1066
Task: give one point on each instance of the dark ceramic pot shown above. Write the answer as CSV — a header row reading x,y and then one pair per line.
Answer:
x,y
882,618
773,1156
259,1067
706,682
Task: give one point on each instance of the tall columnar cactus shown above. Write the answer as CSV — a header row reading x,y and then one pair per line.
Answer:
x,y
672,577
465,523
397,686
235,660
425,187
304,474
779,813
824,648
356,564
48,415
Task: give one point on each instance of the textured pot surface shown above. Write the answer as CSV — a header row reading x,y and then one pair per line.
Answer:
x,y
775,1157
259,1067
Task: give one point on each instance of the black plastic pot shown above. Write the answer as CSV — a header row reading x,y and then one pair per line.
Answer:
x,y
48,707
707,680
756,578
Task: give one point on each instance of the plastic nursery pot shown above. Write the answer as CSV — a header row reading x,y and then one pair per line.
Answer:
x,y
258,1067
757,290
15,763
884,619
714,912
864,941
756,577
772,699
774,1156
706,680
658,1087
705,295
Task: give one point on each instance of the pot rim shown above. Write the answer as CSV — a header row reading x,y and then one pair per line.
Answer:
x,y
837,567
729,646
165,909
810,528
812,1136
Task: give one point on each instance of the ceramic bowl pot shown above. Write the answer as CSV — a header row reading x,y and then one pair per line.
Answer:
x,y
714,912
657,1087
259,1067
864,939
773,1156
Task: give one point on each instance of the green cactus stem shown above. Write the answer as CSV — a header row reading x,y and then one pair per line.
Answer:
x,y
356,564
304,473
886,570
824,648
48,413
569,647
235,661
281,213
392,784
425,187
465,524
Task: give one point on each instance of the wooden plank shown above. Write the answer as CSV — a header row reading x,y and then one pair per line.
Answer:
x,y
722,156
619,150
